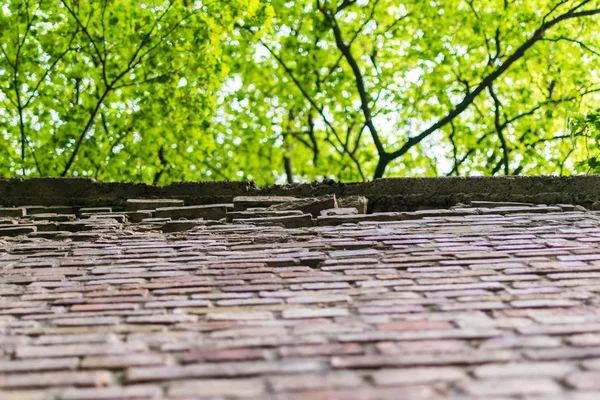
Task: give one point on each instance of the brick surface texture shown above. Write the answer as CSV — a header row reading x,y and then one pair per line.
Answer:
x,y
239,301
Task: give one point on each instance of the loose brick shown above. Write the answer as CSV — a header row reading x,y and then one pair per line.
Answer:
x,y
211,211
151,204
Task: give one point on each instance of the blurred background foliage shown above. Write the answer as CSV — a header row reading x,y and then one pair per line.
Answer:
x,y
291,91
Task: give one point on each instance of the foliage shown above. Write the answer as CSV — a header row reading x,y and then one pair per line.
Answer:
x,y
269,90
358,88
588,126
112,89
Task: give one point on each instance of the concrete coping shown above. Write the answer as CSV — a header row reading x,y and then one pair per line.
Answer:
x,y
393,194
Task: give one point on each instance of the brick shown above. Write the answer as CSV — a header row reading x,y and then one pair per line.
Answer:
x,y
359,203
546,303
165,319
212,355
230,388
318,299
563,353
423,346
113,393
151,204
330,349
240,316
49,379
524,369
17,230
559,329
483,333
314,313
17,212
449,359
415,376
584,380
24,395
241,203
312,206
102,307
221,370
292,221
123,360
512,387
521,342
414,325
211,211
312,381
76,350
38,365
584,340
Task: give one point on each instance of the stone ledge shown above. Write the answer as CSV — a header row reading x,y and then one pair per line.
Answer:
x,y
393,194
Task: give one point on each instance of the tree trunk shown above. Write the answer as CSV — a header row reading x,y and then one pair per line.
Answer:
x,y
381,166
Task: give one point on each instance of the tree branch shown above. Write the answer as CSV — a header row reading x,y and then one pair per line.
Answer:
x,y
490,78
360,85
500,129
312,103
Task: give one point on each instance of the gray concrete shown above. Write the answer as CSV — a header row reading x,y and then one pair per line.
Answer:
x,y
394,194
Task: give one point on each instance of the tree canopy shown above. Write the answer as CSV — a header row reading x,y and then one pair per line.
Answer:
x,y
273,90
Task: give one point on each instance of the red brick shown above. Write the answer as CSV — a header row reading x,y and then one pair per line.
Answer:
x,y
414,325
209,354
321,350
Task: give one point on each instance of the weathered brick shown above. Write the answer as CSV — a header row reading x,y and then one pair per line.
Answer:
x,y
113,393
151,204
314,313
414,325
449,359
77,350
38,365
512,387
423,346
211,211
211,354
15,212
412,376
321,350
221,370
123,360
219,388
49,379
314,381
525,369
